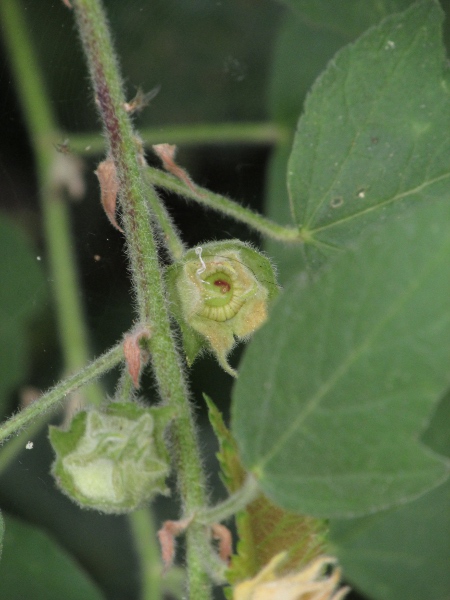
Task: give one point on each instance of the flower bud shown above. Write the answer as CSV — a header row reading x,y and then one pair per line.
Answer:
x,y
112,460
220,292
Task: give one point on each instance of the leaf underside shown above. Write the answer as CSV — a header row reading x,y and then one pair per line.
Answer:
x,y
399,553
334,391
373,136
264,529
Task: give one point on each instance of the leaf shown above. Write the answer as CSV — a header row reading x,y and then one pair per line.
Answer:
x,y
33,566
2,533
400,554
301,53
374,132
264,529
334,391
346,17
232,472
289,259
22,293
437,434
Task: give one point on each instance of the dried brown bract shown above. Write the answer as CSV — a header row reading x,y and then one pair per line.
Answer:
x,y
109,188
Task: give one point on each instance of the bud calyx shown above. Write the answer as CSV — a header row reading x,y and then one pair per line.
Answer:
x,y
221,291
112,460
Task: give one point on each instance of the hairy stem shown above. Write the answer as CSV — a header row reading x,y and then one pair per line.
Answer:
x,y
44,134
248,492
124,148
222,204
51,398
169,232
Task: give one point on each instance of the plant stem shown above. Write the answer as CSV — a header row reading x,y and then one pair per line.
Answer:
x,y
48,400
144,533
147,278
212,133
55,211
170,235
222,204
248,492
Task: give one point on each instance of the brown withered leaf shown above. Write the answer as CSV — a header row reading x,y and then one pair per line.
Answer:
x,y
141,100
166,153
134,353
167,536
109,188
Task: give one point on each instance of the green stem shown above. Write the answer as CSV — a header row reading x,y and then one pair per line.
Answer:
x,y
44,134
213,133
222,204
248,492
170,235
51,398
144,533
125,389
123,146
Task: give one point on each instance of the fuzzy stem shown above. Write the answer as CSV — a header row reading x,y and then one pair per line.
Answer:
x,y
222,204
248,492
51,398
211,133
169,233
147,278
44,134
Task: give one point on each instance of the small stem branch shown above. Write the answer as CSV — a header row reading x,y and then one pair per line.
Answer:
x,y
248,492
51,398
213,133
123,147
170,235
222,204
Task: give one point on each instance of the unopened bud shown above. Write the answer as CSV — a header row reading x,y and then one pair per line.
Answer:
x,y
221,291
112,460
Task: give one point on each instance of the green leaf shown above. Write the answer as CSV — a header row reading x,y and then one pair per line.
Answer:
x,y
347,17
232,473
264,529
21,295
34,566
374,132
334,391
301,53
2,533
437,434
289,259
400,554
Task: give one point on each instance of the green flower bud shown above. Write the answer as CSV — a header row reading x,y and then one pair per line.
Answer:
x,y
112,460
220,292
